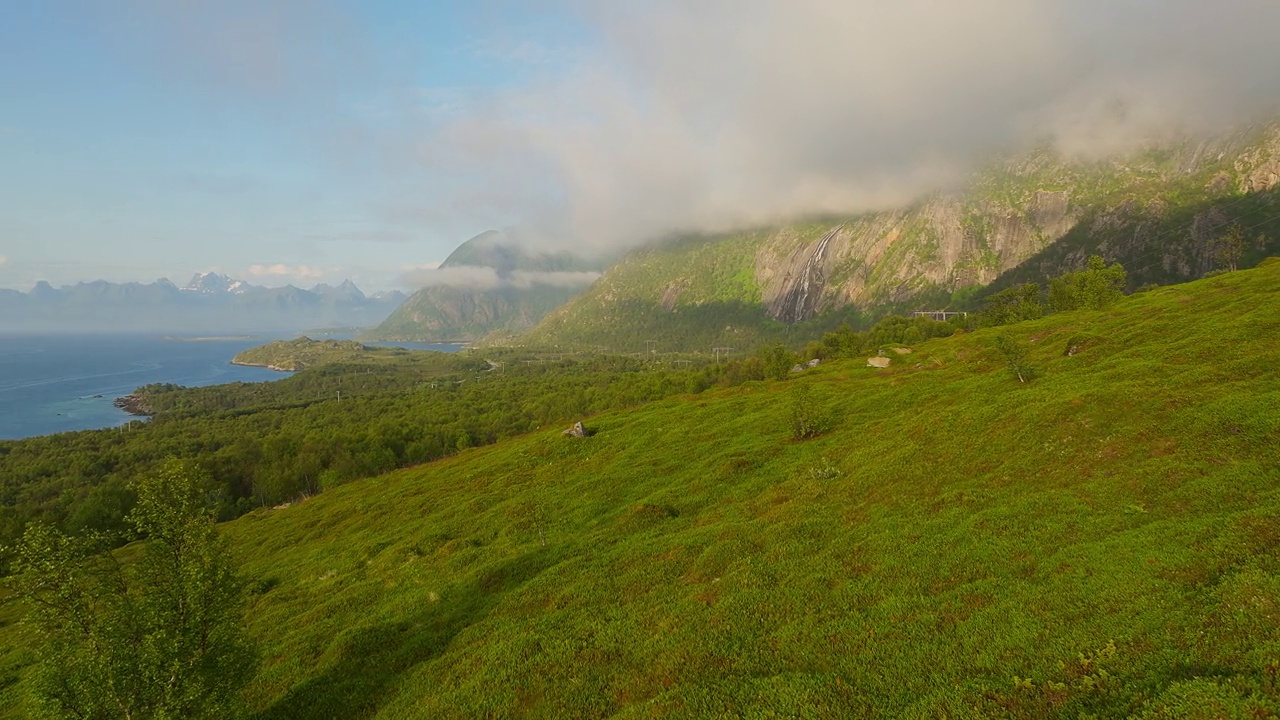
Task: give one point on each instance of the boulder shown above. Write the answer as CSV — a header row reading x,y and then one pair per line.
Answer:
x,y
814,363
577,430
878,362
902,351
797,369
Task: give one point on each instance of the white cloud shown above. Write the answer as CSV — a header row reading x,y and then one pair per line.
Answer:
x,y
521,278
713,114
486,278
282,270
468,276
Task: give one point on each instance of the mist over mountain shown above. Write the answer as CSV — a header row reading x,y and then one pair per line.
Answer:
x,y
490,283
719,116
210,302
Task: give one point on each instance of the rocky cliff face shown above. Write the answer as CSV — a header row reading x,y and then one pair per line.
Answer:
x,y
887,258
1160,211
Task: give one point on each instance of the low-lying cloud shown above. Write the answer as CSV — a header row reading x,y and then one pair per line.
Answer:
x,y
3,261
486,278
670,115
283,270
715,114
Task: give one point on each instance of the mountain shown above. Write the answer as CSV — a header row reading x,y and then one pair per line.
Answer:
x,y
1161,212
346,290
1101,541
489,284
394,297
211,302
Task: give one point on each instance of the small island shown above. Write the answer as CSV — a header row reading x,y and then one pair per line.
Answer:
x,y
303,352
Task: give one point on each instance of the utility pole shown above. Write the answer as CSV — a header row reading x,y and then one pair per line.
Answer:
x,y
718,350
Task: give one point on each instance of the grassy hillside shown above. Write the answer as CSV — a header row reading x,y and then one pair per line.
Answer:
x,y
1103,541
690,295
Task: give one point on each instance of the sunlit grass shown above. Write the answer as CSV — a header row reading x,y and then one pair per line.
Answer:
x,y
1102,541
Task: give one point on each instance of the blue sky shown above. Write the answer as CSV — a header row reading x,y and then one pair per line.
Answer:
x,y
271,140
300,141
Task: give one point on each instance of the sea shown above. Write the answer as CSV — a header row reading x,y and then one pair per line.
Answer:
x,y
61,383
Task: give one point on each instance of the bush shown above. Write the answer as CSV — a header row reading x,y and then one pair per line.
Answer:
x,y
1015,354
1013,305
807,419
1093,288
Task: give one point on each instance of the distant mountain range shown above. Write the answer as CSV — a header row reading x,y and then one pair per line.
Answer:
x,y
210,302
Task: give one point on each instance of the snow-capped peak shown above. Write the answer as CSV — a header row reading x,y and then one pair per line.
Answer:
x,y
208,283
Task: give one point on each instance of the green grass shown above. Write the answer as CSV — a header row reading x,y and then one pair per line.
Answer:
x,y
1103,541
303,352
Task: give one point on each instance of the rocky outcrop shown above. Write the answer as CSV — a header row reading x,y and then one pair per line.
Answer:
x,y
887,257
799,293
1258,167
134,405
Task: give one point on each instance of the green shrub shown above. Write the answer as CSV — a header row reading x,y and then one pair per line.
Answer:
x,y
1093,288
808,420
1015,354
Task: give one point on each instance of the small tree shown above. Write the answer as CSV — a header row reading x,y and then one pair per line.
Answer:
x,y
161,638
807,419
777,360
1015,304
1229,247
1093,288
1015,354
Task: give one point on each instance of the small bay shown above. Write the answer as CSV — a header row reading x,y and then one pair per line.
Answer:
x,y
60,383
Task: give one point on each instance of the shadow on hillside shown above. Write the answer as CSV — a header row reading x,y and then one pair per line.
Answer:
x,y
374,659
640,326
1174,244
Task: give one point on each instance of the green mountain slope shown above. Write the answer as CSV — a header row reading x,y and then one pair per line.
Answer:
x,y
1101,541
487,285
1160,212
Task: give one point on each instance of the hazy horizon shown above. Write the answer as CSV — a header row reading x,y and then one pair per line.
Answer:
x,y
289,142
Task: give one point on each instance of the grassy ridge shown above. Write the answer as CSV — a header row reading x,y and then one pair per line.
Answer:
x,y
303,352
1102,540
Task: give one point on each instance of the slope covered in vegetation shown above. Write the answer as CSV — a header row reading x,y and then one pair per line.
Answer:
x,y
303,352
1103,540
1163,212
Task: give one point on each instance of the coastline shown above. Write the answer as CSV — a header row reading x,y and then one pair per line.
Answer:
x,y
268,366
133,404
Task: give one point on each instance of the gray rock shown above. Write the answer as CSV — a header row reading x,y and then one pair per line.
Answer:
x,y
878,362
577,430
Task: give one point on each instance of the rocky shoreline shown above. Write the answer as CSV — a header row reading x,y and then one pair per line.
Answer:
x,y
268,366
134,405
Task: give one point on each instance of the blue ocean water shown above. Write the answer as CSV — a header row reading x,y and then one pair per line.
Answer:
x,y
53,384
